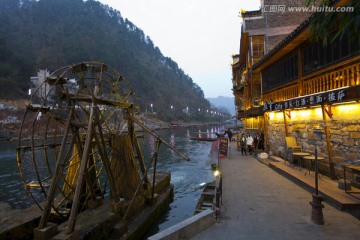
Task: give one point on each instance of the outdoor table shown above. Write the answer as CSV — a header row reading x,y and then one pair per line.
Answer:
x,y
312,159
353,169
299,156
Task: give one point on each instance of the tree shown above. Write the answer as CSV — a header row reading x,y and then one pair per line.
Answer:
x,y
326,26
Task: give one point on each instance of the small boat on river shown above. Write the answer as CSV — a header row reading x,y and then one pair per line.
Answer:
x,y
208,137
206,199
203,139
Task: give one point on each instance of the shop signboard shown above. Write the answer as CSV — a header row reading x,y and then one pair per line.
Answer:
x,y
223,148
329,97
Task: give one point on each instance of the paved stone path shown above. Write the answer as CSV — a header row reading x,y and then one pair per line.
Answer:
x,y
259,203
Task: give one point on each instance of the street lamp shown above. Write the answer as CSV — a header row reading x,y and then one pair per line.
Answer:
x,y
218,190
216,172
151,105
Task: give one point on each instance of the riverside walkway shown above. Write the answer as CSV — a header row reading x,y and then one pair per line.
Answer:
x,y
259,203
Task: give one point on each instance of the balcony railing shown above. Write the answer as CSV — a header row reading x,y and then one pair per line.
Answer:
x,y
282,94
344,77
333,79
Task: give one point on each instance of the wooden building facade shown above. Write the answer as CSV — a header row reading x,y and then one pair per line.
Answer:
x,y
307,91
261,31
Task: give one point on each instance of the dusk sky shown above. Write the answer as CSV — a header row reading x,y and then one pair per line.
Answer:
x,y
200,35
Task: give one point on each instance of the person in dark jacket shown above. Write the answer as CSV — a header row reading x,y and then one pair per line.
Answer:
x,y
229,134
262,141
256,141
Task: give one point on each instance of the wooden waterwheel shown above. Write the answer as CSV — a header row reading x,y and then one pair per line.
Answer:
x,y
67,137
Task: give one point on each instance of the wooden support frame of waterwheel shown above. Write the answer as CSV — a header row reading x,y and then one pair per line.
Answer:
x,y
77,125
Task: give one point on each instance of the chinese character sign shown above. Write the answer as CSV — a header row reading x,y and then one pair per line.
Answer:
x,y
223,148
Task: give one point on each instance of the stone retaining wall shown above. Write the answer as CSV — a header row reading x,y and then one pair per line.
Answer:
x,y
345,138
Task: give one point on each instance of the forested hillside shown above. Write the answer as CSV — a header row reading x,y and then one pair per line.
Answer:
x,y
49,34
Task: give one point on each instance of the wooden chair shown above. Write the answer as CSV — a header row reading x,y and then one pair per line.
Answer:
x,y
291,146
291,143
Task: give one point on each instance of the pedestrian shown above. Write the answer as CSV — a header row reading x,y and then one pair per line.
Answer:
x,y
249,143
262,141
229,134
243,144
256,142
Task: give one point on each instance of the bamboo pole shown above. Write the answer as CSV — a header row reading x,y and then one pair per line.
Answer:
x,y
158,137
134,140
141,159
158,142
57,176
83,164
105,160
154,174
89,99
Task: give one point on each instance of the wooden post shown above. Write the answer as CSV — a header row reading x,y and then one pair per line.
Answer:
x,y
105,159
135,142
57,175
141,160
158,137
328,143
154,174
158,142
82,170
286,126
266,123
300,71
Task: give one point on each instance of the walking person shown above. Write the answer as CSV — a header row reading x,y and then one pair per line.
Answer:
x,y
256,142
243,144
262,141
229,134
249,143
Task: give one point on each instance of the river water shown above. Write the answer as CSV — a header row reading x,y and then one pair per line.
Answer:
x,y
187,176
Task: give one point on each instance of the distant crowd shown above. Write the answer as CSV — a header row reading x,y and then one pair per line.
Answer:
x,y
248,144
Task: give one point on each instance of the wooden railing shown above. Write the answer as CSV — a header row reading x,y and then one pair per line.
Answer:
x,y
282,94
320,82
344,77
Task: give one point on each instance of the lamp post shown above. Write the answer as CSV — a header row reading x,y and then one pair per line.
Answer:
x,y
218,192
317,216
152,109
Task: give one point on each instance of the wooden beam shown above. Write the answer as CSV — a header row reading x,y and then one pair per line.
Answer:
x,y
98,100
328,111
266,123
300,71
328,143
285,123
158,137
288,113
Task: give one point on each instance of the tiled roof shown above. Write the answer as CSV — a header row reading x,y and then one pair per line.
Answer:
x,y
251,13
